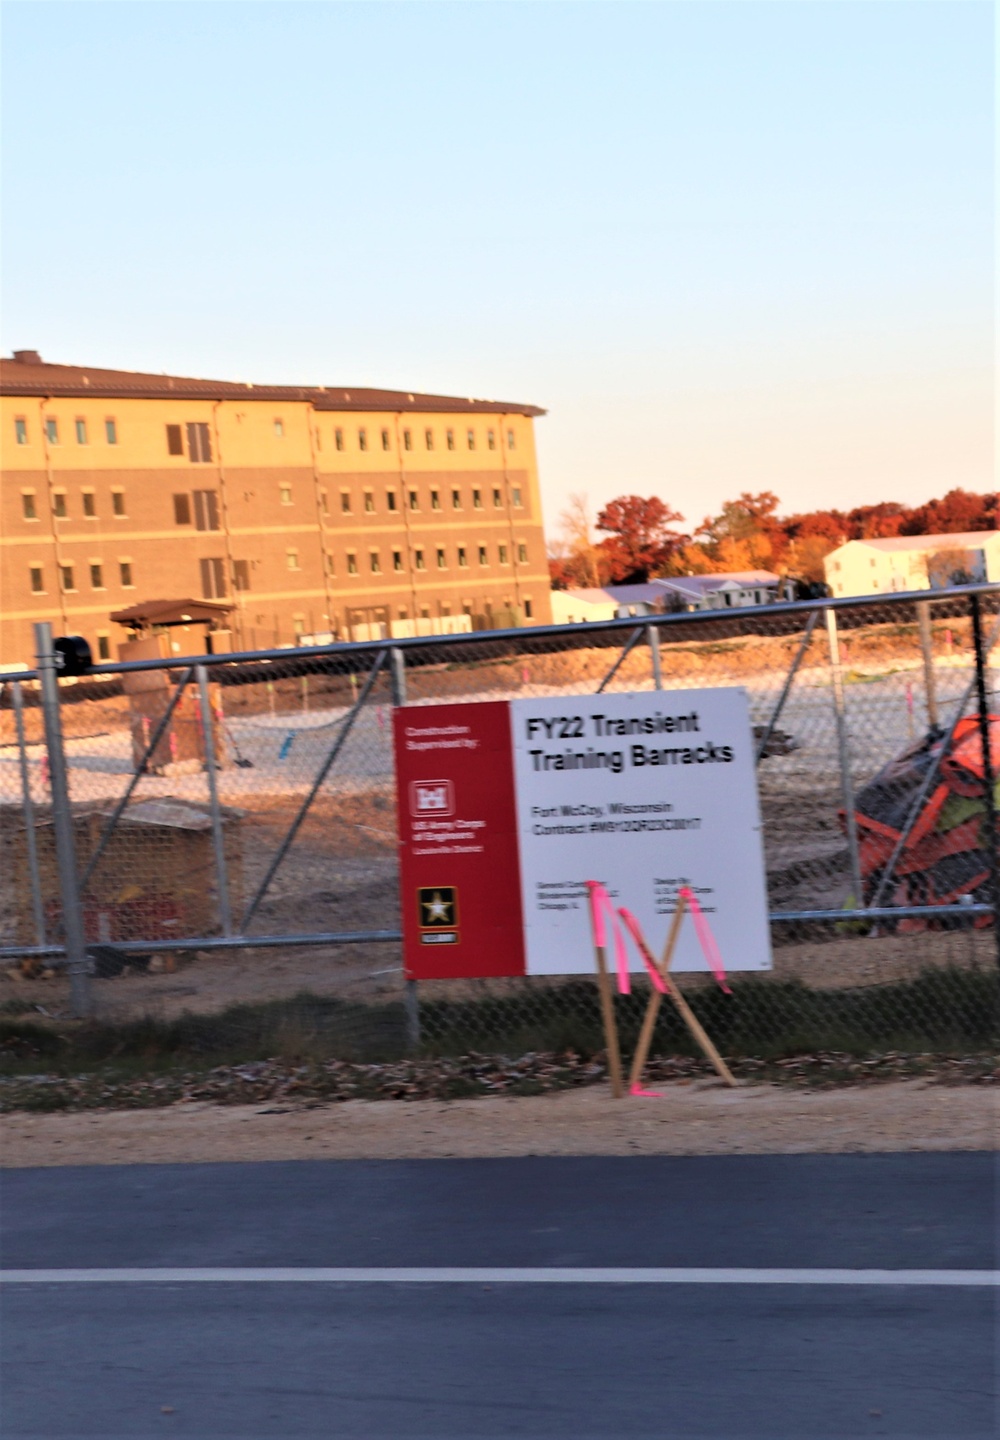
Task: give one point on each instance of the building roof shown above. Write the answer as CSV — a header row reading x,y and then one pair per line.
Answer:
x,y
705,584
963,540
172,612
695,587
27,374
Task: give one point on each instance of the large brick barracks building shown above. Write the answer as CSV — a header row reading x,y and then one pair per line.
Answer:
x,y
311,511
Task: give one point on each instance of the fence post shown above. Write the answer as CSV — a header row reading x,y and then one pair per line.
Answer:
x,y
30,838
653,637
989,772
927,649
62,824
218,837
411,1001
844,752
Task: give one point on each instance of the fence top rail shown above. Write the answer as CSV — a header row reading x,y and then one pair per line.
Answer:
x,y
358,649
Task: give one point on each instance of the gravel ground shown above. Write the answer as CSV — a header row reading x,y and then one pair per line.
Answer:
x,y
695,1118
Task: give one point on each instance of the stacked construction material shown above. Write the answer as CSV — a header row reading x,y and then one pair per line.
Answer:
x,y
932,797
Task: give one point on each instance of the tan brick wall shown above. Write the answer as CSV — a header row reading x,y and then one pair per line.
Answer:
x,y
279,478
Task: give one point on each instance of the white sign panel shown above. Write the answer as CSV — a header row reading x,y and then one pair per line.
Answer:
x,y
646,792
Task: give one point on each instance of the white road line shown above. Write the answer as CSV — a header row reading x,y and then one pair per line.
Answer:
x,y
496,1275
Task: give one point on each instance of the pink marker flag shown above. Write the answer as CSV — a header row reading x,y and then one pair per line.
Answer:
x,y
706,939
635,930
600,903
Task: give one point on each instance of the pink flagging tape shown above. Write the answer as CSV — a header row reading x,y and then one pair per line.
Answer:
x,y
642,1094
600,902
706,939
635,930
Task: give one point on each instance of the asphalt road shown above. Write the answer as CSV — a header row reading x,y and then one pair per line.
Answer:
x,y
200,1356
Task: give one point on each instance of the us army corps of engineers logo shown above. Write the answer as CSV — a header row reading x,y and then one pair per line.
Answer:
x,y
437,914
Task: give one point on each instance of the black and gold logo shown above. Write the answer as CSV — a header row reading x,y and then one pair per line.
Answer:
x,y
438,907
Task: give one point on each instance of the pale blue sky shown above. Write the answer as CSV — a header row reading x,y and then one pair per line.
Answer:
x,y
728,246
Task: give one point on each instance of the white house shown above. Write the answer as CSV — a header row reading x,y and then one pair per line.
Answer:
x,y
683,592
913,562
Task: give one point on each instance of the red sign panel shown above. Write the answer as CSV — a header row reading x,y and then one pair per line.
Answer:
x,y
459,872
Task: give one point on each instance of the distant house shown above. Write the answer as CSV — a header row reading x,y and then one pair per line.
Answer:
x,y
913,562
684,592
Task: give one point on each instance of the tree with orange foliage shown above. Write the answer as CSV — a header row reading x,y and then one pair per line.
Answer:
x,y
640,539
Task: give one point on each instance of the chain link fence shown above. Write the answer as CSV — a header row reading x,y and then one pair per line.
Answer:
x,y
234,827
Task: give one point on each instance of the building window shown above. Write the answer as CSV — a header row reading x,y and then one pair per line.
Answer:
x,y
319,438
89,504
429,439
292,559
397,560
285,494
414,500
28,505
324,502
175,440
482,555
182,510
104,647
456,499
522,554
441,558
477,499
352,563
21,430
81,431
241,575
510,446
279,429
528,607
59,504
502,553
435,500
345,502
375,562
407,440
362,439
299,625
418,560
369,503
497,500
329,564
450,439
111,431
213,578
338,438
37,580
515,496
206,510
491,440
463,559
118,503
471,437
199,443
125,573
52,430
96,576
390,499
386,443
66,578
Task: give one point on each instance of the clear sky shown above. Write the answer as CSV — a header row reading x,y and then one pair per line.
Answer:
x,y
728,245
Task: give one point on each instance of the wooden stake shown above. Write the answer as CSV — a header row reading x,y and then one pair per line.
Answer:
x,y
610,1025
690,1020
656,998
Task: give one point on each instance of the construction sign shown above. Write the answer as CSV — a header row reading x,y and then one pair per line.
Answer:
x,y
507,808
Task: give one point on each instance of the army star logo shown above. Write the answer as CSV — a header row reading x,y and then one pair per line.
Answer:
x,y
438,906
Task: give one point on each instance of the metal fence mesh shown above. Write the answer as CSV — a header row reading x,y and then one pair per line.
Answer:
x,y
256,798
